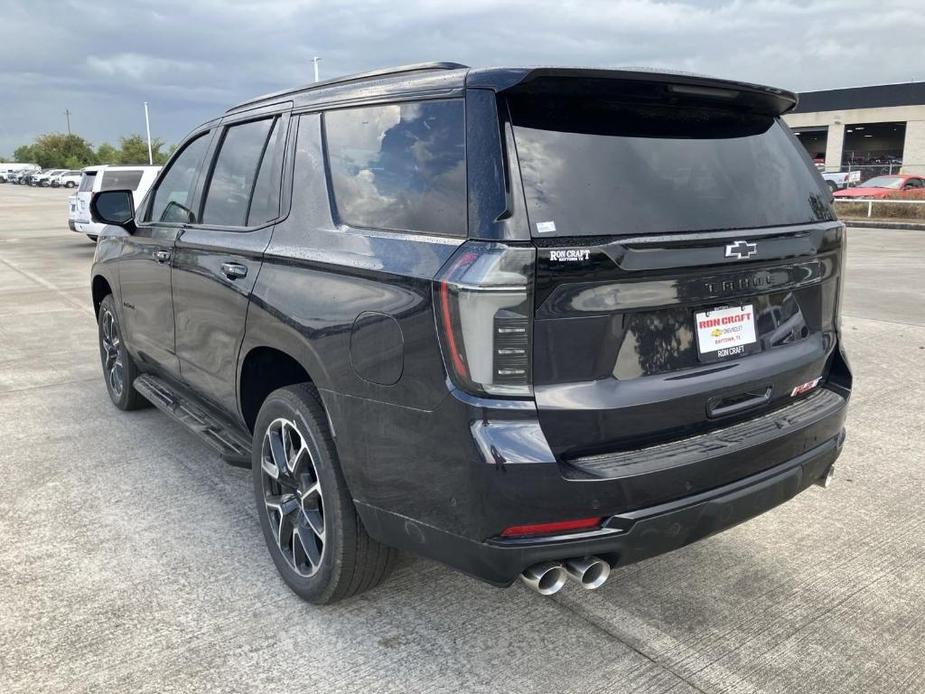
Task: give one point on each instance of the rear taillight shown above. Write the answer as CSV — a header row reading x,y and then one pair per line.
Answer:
x,y
484,303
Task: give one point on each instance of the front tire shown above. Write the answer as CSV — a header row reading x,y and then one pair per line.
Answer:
x,y
119,370
309,522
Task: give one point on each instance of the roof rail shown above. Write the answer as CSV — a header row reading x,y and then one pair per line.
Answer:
x,y
381,72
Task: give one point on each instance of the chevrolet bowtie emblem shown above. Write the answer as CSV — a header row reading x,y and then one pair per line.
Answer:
x,y
740,250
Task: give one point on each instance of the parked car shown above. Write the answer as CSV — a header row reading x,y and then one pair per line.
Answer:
x,y
31,177
45,180
94,179
839,180
67,179
531,323
10,170
886,186
36,178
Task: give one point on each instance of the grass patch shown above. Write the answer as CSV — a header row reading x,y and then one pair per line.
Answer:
x,y
884,210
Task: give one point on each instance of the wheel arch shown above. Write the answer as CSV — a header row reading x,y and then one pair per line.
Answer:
x,y
100,288
264,369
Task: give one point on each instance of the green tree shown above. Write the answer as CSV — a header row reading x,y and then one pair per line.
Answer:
x,y
161,158
107,154
56,150
134,150
24,154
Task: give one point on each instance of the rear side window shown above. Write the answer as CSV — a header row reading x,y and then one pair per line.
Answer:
x,y
174,194
235,173
265,201
400,166
120,180
599,168
86,182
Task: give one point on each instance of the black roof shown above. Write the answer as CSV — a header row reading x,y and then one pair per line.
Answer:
x,y
444,78
878,96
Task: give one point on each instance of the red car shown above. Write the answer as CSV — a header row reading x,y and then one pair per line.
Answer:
x,y
884,186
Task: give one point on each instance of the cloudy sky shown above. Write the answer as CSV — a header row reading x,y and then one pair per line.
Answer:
x,y
190,59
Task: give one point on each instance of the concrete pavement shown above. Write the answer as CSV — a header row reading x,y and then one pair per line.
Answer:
x,y
131,557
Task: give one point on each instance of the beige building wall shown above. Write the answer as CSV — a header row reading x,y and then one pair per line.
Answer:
x,y
913,147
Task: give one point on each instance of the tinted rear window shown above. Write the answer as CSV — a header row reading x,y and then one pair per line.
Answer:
x,y
120,180
594,168
400,166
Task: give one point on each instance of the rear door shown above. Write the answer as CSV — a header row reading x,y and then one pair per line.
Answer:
x,y
687,268
218,258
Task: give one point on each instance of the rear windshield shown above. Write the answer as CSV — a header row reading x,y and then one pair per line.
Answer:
x,y
86,181
120,180
596,168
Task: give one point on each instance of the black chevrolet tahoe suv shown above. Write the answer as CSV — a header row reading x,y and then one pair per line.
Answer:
x,y
531,323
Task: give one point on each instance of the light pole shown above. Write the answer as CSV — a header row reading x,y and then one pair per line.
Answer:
x,y
67,114
148,131
316,60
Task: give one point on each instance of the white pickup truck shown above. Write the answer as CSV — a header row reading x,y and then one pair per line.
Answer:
x,y
839,180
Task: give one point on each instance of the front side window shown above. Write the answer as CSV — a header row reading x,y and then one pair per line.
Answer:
x,y
232,182
120,180
400,166
174,195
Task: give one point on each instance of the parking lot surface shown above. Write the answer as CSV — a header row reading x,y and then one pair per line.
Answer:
x,y
131,558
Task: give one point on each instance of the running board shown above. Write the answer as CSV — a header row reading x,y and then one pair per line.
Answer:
x,y
232,444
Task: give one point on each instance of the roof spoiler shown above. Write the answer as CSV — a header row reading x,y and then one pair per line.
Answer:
x,y
680,86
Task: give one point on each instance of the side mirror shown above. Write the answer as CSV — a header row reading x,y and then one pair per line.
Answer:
x,y
115,207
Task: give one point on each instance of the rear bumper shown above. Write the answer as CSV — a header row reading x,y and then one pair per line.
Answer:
x,y
626,537
88,228
445,483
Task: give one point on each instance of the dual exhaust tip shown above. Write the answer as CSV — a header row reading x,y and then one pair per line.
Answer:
x,y
549,577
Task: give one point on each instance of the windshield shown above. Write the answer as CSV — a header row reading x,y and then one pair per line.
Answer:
x,y
601,168
894,182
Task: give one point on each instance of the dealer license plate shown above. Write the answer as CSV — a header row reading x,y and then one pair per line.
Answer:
x,y
725,333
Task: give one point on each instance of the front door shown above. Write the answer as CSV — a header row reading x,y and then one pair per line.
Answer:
x,y
147,260
217,259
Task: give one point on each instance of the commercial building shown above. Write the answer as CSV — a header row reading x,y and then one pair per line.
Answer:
x,y
878,129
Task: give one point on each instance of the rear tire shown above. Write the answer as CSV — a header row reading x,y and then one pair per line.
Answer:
x,y
119,370
309,522
832,186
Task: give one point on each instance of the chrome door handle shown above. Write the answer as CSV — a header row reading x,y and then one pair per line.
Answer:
x,y
234,271
162,256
